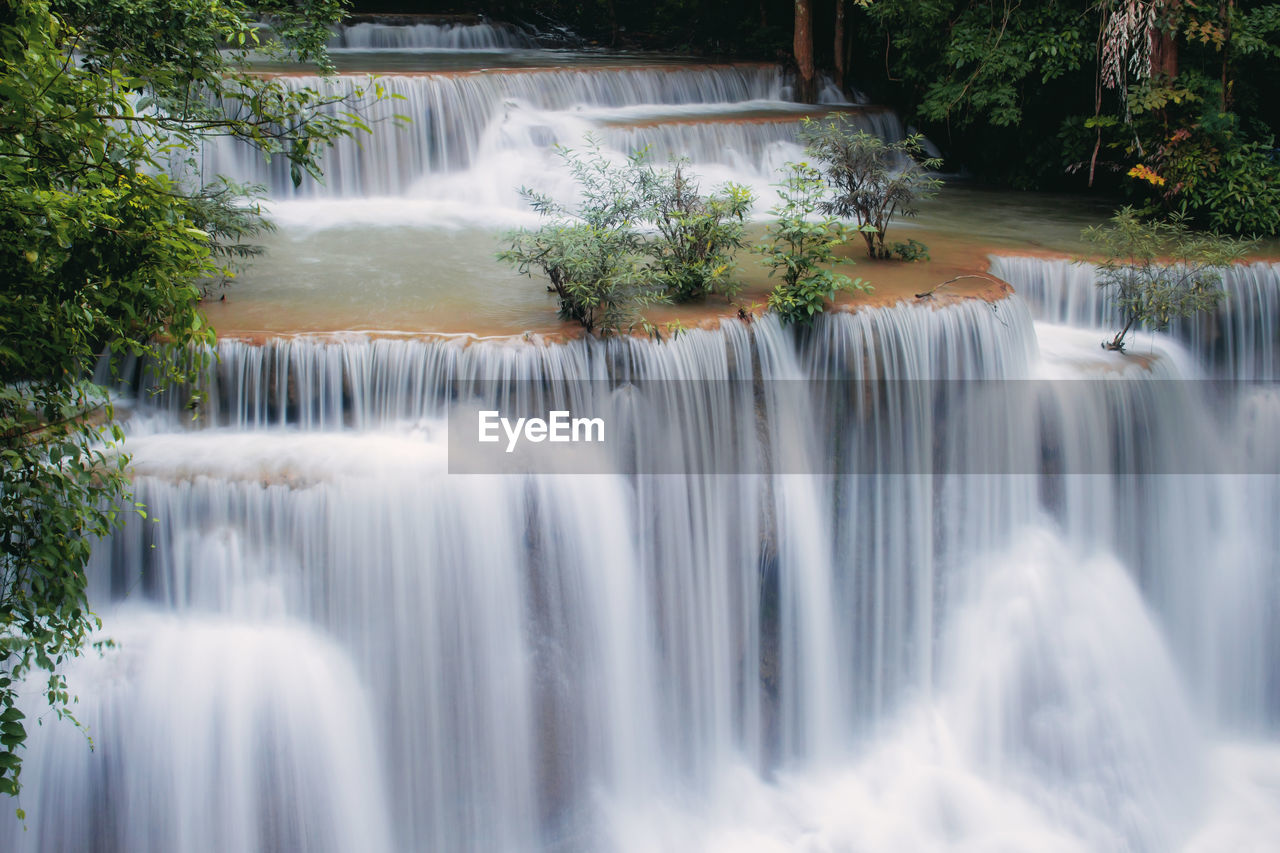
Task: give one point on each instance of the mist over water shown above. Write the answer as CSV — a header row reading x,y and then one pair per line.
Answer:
x,y
329,642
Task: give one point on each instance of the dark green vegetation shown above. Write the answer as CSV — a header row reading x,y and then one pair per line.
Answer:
x,y
871,180
640,234
1169,103
801,248
1156,271
100,248
697,235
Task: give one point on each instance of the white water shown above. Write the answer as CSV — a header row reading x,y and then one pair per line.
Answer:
x,y
474,138
329,642
212,733
1239,340
429,36
771,661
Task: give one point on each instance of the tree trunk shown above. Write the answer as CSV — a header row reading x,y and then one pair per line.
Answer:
x,y
1116,344
1164,47
848,56
1164,55
612,8
839,45
1226,10
807,85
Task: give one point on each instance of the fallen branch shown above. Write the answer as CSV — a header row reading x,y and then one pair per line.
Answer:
x,y
929,293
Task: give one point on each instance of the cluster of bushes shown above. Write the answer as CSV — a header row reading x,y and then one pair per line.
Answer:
x,y
1184,154
640,233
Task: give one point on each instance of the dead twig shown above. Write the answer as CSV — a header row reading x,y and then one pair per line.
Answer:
x,y
928,294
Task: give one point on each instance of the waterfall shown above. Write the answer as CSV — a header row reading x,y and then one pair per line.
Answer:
x,y
1241,339
744,144
930,576
199,718
476,120
367,382
537,661
452,36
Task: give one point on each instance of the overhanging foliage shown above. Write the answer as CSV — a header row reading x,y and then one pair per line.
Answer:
x,y
105,243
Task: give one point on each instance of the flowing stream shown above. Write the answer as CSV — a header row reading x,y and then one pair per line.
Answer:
x,y
1012,593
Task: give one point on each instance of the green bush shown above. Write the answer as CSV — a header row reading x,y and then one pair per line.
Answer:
x,y
1158,270
638,235
693,255
910,251
591,254
801,247
1181,152
871,180
102,248
594,270
1223,182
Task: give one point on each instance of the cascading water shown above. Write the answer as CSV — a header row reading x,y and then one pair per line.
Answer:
x,y
999,590
491,129
450,36
744,144
1239,340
